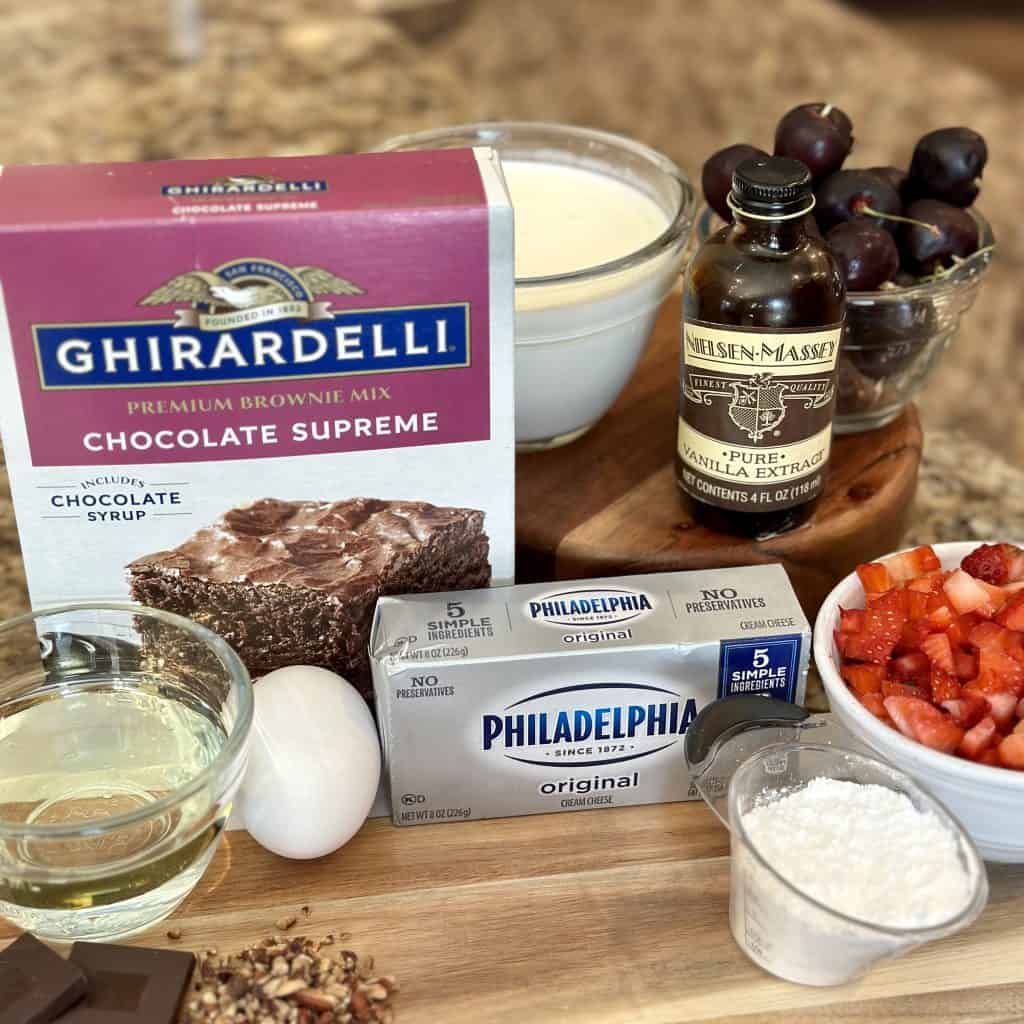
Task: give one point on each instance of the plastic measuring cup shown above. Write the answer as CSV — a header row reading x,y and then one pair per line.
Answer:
x,y
745,750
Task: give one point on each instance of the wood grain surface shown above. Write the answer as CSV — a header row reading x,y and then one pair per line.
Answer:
x,y
604,917
608,504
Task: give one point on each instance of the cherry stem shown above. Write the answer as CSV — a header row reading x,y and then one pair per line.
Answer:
x,y
960,260
871,212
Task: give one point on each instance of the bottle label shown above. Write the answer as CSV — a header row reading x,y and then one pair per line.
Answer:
x,y
755,422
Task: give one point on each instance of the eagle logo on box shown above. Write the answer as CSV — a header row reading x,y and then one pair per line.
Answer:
x,y
250,291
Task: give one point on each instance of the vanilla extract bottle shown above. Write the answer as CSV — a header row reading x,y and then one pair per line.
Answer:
x,y
763,309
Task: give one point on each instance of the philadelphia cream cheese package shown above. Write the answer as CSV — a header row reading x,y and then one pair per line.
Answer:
x,y
260,392
571,695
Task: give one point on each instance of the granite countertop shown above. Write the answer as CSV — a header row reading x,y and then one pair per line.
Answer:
x,y
92,80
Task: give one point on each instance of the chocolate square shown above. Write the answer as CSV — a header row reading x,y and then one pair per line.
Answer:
x,y
36,984
130,985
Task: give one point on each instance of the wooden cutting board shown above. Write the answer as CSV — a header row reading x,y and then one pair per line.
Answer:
x,y
599,917
608,505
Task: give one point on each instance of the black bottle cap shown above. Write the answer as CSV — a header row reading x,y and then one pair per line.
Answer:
x,y
771,186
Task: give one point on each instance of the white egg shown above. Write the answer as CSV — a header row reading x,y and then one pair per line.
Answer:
x,y
314,763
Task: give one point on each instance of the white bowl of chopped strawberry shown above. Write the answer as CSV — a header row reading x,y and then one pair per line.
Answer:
x,y
922,658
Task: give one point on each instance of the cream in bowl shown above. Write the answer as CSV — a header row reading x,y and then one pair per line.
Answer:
x,y
601,226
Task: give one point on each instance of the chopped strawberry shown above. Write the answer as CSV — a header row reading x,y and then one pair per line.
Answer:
x,y
864,647
1014,562
1011,752
964,593
1002,707
998,673
939,734
901,711
914,634
1012,614
967,594
945,686
925,723
874,578
938,650
929,583
908,564
863,679
995,563
940,655
894,688
978,738
965,664
986,686
885,616
997,595
961,628
986,563
875,703
1015,645
966,711
990,636
851,620
917,606
911,666
923,559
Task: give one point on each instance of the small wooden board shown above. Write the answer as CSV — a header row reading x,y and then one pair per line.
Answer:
x,y
593,917
607,504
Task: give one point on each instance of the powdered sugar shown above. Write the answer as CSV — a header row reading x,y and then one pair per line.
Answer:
x,y
863,850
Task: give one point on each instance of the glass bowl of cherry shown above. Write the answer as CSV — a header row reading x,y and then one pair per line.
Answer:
x,y
910,244
895,336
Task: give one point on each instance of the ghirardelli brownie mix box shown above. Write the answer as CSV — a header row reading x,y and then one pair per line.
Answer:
x,y
260,393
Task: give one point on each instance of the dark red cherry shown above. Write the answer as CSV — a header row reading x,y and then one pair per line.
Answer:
x,y
848,194
896,176
818,134
943,232
716,176
947,165
866,254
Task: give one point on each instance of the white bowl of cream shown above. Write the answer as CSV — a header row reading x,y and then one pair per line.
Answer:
x,y
601,227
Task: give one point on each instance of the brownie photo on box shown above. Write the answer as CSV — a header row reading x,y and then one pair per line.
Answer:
x,y
295,582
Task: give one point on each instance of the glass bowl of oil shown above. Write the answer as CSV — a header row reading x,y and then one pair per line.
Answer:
x,y
123,738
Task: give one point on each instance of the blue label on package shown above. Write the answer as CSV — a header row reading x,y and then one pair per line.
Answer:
x,y
769,666
266,343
